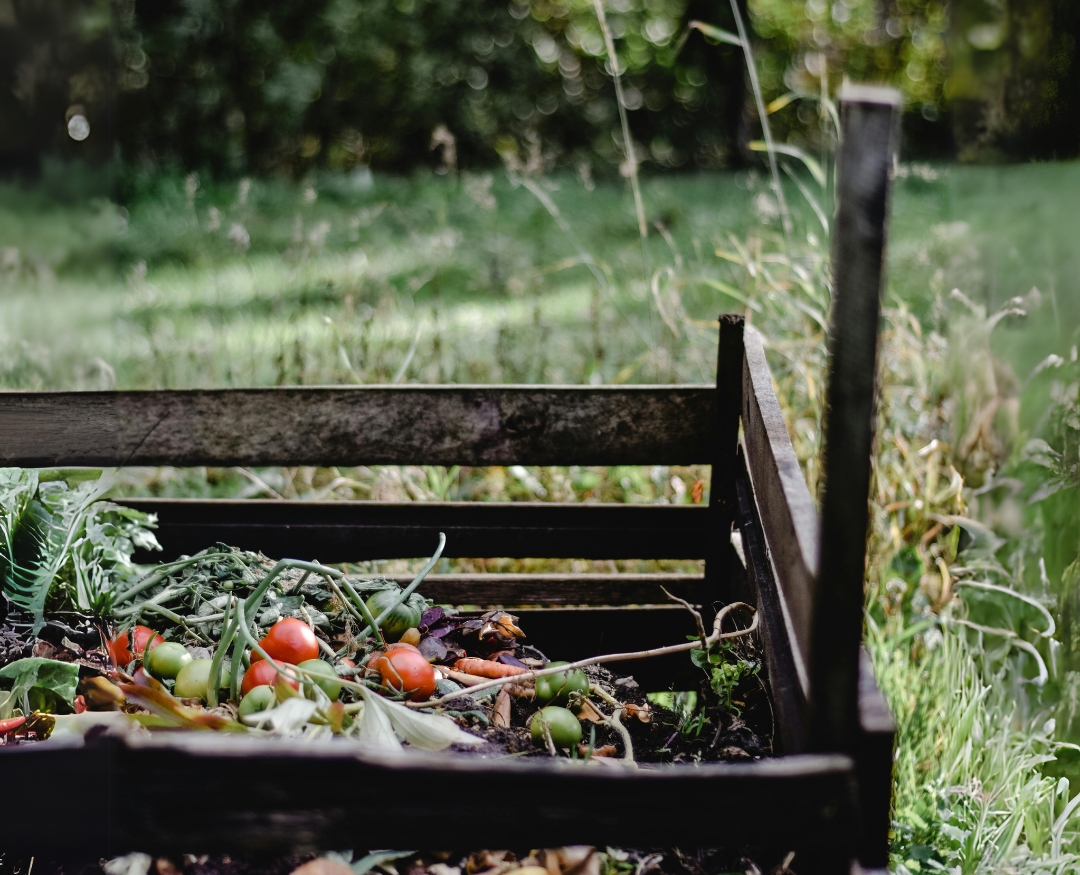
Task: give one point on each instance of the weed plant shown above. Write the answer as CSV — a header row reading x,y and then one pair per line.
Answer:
x,y
531,278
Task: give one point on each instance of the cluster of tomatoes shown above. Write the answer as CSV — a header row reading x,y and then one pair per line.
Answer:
x,y
289,644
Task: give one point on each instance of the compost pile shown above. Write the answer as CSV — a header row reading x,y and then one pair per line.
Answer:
x,y
231,641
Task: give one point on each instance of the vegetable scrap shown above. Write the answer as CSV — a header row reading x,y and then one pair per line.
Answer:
x,y
229,641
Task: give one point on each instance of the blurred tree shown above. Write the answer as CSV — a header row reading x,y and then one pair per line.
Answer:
x,y
1015,78
244,87
814,45
55,60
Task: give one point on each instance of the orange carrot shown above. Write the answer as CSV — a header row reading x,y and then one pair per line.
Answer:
x,y
487,668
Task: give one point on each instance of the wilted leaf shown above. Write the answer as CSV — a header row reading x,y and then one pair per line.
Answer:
x,y
425,731
375,728
285,718
52,679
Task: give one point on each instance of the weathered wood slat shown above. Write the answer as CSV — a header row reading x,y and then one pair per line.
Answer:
x,y
788,516
787,673
581,632
244,796
434,425
871,120
508,590
874,757
350,531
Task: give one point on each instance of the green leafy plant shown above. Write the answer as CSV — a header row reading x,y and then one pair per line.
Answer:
x,y
38,684
725,674
61,543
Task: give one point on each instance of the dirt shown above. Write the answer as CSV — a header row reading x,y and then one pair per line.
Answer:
x,y
578,860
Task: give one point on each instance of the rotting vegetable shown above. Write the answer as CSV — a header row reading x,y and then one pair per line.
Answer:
x,y
167,659
555,726
298,648
289,640
127,646
406,671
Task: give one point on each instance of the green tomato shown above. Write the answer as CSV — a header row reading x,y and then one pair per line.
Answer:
x,y
166,660
564,727
404,617
555,689
258,699
331,686
192,679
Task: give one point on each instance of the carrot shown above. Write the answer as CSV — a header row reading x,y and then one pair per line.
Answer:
x,y
487,668
11,725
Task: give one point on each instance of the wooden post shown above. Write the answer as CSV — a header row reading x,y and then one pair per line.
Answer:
x,y
870,124
722,496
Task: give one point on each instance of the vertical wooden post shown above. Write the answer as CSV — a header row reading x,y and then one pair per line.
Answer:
x,y
869,129
729,397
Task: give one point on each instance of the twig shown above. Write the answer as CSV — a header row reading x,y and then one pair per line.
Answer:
x,y
716,636
628,744
548,739
697,617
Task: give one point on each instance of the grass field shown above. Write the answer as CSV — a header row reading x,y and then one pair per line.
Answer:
x,y
484,278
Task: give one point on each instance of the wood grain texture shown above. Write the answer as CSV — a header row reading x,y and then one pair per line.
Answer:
x,y
870,119
434,425
581,632
788,516
783,660
874,757
243,796
509,590
351,531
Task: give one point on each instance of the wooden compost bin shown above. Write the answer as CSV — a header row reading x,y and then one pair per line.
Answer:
x,y
827,795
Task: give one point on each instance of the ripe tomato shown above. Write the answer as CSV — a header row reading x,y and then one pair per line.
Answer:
x,y
406,671
289,640
122,650
264,673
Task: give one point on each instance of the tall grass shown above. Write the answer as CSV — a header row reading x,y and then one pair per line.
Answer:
x,y
336,281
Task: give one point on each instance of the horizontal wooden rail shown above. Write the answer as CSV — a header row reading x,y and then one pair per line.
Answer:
x,y
246,796
561,589
434,425
350,531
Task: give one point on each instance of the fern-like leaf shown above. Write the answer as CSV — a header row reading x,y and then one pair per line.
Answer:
x,y
40,526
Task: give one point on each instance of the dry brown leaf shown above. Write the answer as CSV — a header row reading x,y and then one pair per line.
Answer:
x,y
100,694
501,717
642,712
588,712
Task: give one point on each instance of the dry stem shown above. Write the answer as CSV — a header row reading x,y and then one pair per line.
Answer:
x,y
716,636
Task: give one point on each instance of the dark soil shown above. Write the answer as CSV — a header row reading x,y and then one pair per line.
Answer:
x,y
664,737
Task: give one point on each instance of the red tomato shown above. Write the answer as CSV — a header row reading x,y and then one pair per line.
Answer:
x,y
289,640
122,651
264,673
406,671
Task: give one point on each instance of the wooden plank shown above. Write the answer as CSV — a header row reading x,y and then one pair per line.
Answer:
x,y
509,590
788,516
351,531
722,500
581,632
874,767
786,671
245,796
435,425
870,121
